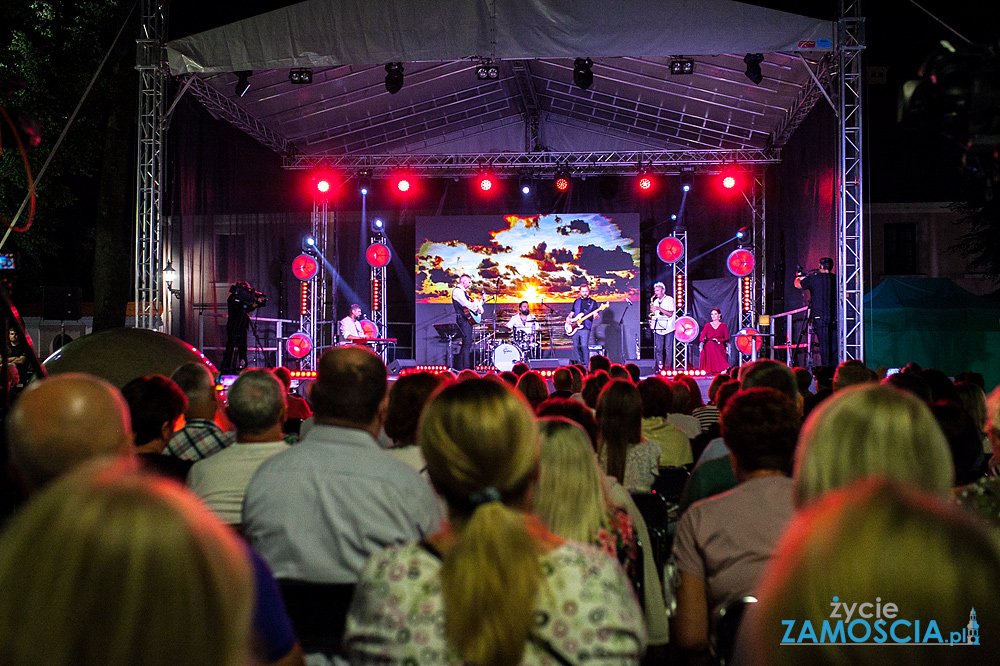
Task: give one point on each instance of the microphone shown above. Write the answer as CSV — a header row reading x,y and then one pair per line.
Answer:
x,y
628,301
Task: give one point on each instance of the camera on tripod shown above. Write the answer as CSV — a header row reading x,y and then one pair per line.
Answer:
x,y
247,297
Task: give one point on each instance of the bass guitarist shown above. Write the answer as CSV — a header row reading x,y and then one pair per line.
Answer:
x,y
467,311
582,306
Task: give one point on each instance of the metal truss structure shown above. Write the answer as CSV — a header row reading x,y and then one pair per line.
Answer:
x,y
679,269
850,213
378,296
223,108
756,201
590,163
149,294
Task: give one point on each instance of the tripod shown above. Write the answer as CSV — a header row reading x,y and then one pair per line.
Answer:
x,y
807,333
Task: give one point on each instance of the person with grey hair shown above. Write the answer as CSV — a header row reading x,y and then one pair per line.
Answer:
x,y
257,409
200,437
661,322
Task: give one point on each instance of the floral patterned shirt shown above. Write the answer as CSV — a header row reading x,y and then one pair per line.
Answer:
x,y
585,611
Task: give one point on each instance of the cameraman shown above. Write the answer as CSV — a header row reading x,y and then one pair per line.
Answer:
x,y
822,288
243,299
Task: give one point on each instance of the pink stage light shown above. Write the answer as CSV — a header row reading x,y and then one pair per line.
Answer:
x,y
403,185
298,345
729,182
323,186
485,182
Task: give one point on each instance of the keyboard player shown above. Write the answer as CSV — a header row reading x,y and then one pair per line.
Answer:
x,y
350,327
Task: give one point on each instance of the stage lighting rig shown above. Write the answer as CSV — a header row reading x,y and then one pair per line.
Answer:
x,y
583,77
364,182
243,82
562,181
488,70
300,76
309,244
681,66
524,184
687,178
753,61
393,77
378,226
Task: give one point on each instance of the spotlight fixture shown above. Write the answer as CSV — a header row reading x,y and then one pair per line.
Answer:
x,y
582,76
393,77
378,226
300,76
681,66
243,82
646,182
488,71
729,182
485,182
524,184
743,233
687,178
364,181
753,72
561,181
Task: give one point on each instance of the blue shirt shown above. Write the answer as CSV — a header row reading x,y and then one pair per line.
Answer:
x,y
317,511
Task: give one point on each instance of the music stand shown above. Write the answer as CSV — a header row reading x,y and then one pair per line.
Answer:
x,y
447,333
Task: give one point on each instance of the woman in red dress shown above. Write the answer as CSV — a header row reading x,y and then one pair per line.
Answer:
x,y
714,344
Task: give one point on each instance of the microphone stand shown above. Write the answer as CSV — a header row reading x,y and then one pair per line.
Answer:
x,y
552,353
621,328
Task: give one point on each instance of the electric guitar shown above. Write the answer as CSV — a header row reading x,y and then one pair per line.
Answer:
x,y
473,317
576,323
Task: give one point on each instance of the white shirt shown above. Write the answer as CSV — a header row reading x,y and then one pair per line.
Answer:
x,y
530,324
458,295
350,326
221,480
663,324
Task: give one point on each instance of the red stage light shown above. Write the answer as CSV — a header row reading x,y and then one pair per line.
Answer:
x,y
323,186
686,329
298,345
485,182
729,182
304,267
562,183
740,262
403,185
669,249
645,183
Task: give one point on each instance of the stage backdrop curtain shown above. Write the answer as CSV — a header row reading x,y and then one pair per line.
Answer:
x,y
714,293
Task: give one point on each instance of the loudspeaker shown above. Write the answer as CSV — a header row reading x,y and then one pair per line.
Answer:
x,y
62,303
645,366
547,363
398,365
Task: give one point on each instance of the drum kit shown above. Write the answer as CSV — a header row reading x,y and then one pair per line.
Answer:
x,y
503,348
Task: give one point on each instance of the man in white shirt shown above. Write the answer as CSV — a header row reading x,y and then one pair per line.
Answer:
x,y
350,326
524,325
257,409
662,318
461,302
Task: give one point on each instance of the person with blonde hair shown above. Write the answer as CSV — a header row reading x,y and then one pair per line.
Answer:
x,y
891,556
107,567
494,587
871,430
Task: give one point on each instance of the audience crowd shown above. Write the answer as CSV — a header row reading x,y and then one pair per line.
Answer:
x,y
582,516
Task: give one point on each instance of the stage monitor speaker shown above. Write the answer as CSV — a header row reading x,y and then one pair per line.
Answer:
x,y
645,366
62,303
398,365
547,363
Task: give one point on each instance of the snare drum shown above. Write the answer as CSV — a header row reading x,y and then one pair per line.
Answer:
x,y
505,356
524,339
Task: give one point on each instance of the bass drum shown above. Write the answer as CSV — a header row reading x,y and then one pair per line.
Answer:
x,y
505,356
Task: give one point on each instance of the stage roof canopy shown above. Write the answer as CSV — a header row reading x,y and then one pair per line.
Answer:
x,y
634,103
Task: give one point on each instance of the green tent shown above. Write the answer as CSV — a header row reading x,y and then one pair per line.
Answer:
x,y
935,323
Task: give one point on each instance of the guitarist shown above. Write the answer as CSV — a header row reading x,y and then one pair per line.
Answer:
x,y
583,305
464,311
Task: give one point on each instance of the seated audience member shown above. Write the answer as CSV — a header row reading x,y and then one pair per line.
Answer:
x,y
317,511
296,408
200,437
726,390
708,415
963,440
851,373
577,378
911,382
533,388
871,430
804,380
575,411
681,394
509,377
258,410
983,496
407,398
723,543
155,404
824,389
941,386
599,362
495,587
618,371
675,447
576,502
106,567
520,368
633,372
973,400
64,420
592,387
466,375
634,463
876,541
562,382
972,377
695,399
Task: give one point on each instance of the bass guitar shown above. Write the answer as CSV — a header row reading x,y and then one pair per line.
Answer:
x,y
576,323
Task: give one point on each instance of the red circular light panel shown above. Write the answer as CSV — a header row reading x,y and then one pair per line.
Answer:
x,y
562,184
298,345
370,329
403,185
304,267
378,255
485,184
729,182
645,183
685,329
323,186
748,339
740,262
669,249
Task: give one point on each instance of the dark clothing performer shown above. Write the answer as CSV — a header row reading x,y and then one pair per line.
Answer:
x,y
460,301
822,288
581,339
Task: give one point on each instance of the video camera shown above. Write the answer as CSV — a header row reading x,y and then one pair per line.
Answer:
x,y
801,272
246,296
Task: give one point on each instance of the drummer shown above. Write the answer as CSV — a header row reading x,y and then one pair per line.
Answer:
x,y
350,327
523,324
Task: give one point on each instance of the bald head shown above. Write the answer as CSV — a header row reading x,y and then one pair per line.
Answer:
x,y
350,386
64,420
